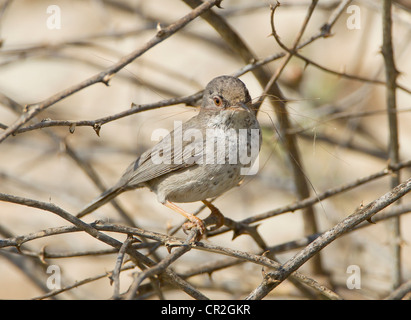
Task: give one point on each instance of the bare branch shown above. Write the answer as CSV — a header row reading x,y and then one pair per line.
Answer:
x,y
362,214
105,76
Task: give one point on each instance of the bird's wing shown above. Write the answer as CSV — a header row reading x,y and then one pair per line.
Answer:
x,y
165,157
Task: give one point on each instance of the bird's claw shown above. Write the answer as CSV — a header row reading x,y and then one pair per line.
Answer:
x,y
195,223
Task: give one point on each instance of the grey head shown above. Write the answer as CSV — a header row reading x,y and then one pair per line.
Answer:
x,y
225,92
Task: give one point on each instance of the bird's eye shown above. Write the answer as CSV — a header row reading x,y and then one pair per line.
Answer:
x,y
218,101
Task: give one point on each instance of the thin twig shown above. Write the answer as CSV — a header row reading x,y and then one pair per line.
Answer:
x,y
115,277
97,123
319,197
400,292
106,75
79,283
273,279
310,223
211,267
137,257
391,74
162,265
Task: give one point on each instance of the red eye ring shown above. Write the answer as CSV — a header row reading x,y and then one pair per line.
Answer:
x,y
218,101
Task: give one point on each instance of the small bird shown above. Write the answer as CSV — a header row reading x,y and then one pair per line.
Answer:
x,y
181,169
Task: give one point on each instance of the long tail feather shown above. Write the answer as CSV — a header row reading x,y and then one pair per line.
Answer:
x,y
101,200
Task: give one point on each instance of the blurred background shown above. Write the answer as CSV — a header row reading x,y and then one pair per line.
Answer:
x,y
341,126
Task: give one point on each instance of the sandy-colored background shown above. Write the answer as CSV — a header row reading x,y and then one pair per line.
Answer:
x,y
35,166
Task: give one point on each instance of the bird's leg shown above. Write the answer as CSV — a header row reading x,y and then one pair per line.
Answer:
x,y
193,220
216,217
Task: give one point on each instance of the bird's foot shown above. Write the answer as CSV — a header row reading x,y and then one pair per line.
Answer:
x,y
195,223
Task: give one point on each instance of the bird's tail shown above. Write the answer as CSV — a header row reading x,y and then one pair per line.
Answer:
x,y
101,200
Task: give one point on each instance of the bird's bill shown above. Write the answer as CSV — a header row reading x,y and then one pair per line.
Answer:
x,y
240,105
